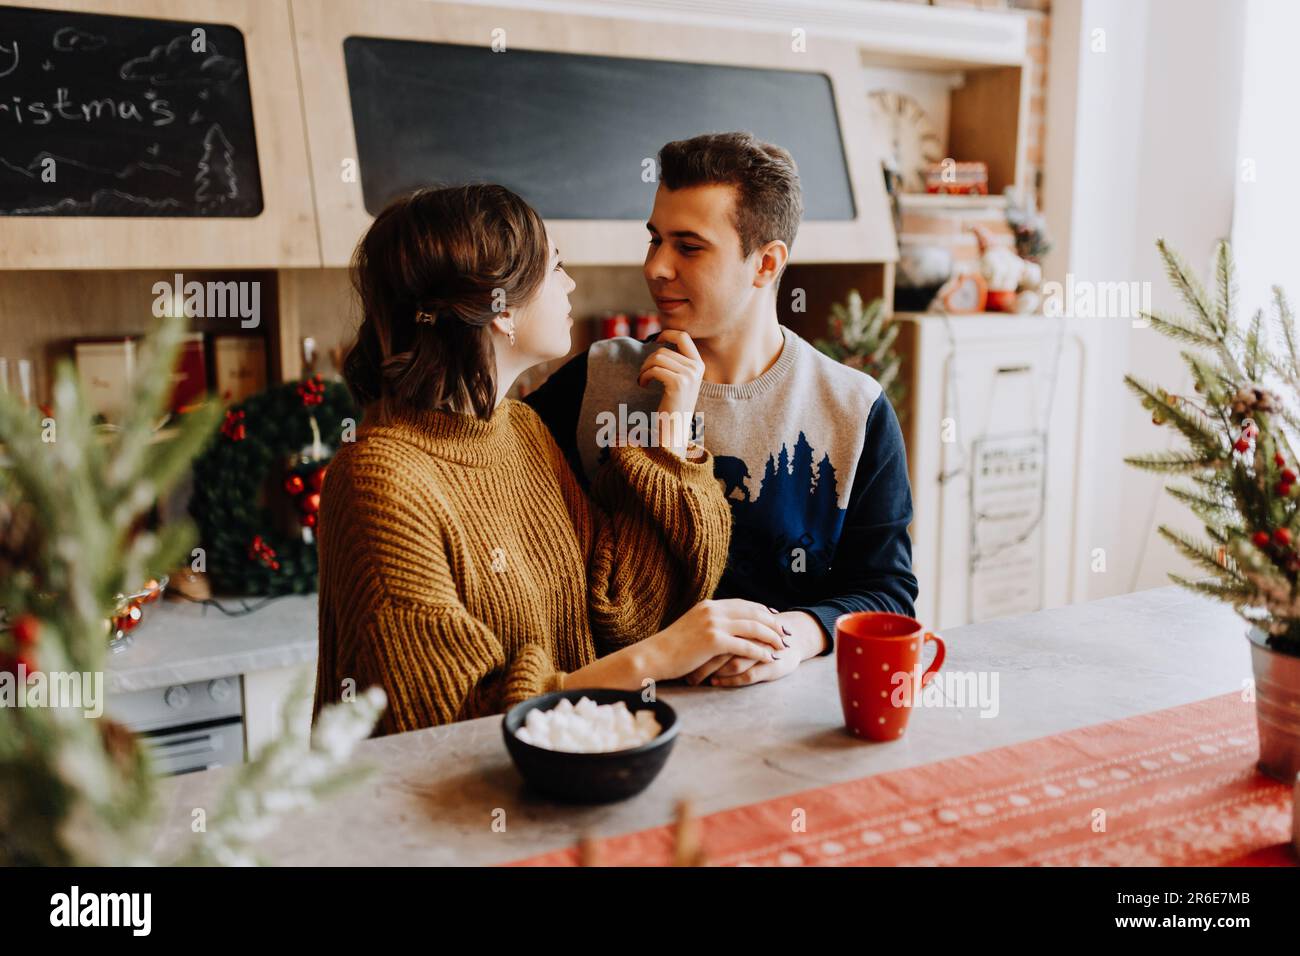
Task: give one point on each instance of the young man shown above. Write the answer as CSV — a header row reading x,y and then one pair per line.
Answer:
x,y
809,450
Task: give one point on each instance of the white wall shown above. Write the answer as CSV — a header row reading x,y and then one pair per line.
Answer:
x,y
1141,142
1268,202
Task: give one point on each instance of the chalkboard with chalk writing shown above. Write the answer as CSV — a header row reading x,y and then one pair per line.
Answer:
x,y
124,116
575,135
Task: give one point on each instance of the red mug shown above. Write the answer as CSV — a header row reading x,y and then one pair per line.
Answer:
x,y
871,649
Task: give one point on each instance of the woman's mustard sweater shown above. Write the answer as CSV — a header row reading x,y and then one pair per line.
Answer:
x,y
463,569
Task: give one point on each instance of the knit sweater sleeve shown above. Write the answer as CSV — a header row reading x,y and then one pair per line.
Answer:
x,y
391,615
655,530
439,664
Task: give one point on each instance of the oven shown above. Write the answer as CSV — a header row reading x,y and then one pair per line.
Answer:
x,y
186,727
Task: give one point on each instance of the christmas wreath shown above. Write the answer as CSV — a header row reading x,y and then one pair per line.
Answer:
x,y
257,486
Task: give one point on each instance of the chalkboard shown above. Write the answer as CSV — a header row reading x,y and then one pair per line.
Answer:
x,y
568,132
123,116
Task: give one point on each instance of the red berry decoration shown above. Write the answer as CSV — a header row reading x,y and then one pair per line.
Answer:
x,y
310,504
259,550
1282,536
1288,476
1282,489
1278,459
1261,539
309,520
312,391
233,426
317,479
294,485
26,629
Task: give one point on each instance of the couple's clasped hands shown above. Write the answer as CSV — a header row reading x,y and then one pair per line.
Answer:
x,y
739,641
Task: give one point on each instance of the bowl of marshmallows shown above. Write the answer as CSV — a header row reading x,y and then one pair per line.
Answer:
x,y
590,746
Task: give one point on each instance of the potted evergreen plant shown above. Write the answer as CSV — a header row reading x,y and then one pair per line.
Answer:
x,y
1241,430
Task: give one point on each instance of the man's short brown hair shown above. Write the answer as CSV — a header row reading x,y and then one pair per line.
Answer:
x,y
769,200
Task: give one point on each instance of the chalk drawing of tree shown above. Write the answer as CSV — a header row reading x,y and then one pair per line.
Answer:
x,y
216,178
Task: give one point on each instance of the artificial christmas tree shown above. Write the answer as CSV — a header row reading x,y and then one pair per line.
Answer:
x,y
1241,428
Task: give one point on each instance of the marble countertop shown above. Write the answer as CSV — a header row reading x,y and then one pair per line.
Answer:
x,y
434,794
181,641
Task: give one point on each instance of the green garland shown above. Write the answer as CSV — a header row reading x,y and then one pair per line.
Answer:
x,y
248,551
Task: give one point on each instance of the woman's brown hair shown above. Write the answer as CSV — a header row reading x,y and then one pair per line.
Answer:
x,y
431,272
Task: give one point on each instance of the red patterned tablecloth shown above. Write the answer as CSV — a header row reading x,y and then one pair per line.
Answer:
x,y
1175,787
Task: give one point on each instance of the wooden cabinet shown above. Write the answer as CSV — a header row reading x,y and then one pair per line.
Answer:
x,y
322,26
993,424
283,235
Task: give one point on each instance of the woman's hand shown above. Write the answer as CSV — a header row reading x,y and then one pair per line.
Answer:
x,y
680,370
711,629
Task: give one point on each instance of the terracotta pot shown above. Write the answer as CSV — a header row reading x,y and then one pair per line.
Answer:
x,y
1277,708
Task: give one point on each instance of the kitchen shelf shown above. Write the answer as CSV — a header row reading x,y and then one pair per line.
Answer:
x,y
938,200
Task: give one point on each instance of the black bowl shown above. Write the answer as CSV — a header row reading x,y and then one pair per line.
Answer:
x,y
590,777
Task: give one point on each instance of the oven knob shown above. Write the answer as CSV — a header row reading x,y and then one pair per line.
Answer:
x,y
220,689
177,697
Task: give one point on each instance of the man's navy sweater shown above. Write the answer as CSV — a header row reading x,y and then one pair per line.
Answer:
x,y
811,458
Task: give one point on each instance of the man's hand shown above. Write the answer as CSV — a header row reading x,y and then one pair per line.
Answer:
x,y
806,639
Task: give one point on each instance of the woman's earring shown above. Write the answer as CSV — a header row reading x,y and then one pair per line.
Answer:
x,y
512,332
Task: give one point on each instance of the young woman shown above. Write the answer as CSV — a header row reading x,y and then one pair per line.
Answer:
x,y
462,568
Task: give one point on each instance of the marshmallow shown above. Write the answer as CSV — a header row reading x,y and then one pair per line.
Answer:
x,y
589,727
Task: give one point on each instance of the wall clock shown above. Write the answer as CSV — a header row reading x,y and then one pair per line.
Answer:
x,y
909,141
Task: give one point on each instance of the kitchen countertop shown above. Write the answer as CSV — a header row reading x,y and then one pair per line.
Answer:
x,y
182,641
433,796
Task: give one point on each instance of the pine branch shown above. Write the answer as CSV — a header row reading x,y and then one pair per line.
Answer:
x,y
1176,329
1197,502
1188,286
1287,320
1197,428
1171,462
1225,273
1198,553
1254,343
1235,595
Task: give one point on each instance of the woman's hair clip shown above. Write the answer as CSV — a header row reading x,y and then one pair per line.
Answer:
x,y
422,316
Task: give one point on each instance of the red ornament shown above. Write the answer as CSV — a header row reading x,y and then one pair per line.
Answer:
x,y
1282,536
1278,459
1282,489
1261,539
309,520
310,504
1288,476
317,478
233,426
311,391
26,629
294,485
